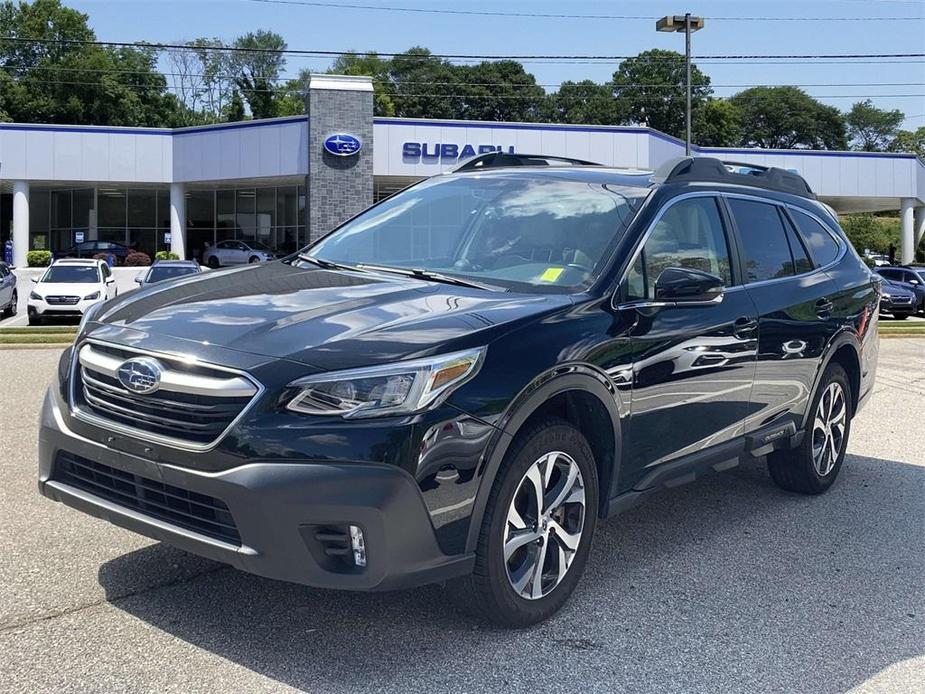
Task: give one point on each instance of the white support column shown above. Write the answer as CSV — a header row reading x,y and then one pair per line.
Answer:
x,y
178,219
919,224
20,222
907,254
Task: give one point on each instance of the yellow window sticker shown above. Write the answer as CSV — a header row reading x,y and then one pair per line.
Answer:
x,y
552,274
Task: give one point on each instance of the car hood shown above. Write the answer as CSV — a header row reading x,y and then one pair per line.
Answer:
x,y
80,289
327,319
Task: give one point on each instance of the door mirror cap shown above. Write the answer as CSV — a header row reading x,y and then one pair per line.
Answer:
x,y
688,286
139,279
110,280
35,280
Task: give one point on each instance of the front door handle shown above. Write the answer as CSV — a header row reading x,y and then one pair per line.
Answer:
x,y
824,307
744,326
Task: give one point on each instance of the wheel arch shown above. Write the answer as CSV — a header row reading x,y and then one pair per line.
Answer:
x,y
844,350
577,393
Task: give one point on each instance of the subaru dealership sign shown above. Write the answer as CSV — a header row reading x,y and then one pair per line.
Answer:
x,y
445,152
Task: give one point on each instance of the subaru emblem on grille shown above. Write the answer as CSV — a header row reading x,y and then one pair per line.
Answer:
x,y
141,375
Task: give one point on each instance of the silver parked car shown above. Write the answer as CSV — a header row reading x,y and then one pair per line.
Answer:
x,y
238,253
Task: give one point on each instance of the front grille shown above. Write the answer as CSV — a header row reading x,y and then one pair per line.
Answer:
x,y
62,300
197,512
902,300
194,404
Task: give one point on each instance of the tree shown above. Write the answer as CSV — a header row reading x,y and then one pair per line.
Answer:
x,y
788,118
234,109
59,78
499,91
583,102
872,129
372,65
424,86
910,141
651,89
717,123
867,232
257,63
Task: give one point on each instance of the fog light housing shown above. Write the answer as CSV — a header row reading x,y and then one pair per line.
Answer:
x,y
358,545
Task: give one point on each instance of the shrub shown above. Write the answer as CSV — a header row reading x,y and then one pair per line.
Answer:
x,y
38,258
101,256
137,259
865,231
166,255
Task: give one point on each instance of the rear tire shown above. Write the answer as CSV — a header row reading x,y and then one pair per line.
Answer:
x,y
10,310
813,466
212,262
504,587
253,259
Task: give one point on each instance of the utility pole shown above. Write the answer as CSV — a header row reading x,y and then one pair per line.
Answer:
x,y
687,24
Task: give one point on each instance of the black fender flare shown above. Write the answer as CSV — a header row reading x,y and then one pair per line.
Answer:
x,y
846,336
562,379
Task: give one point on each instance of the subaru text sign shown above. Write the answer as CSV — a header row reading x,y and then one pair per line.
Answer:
x,y
445,152
342,145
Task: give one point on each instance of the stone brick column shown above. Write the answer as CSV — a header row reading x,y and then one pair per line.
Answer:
x,y
338,186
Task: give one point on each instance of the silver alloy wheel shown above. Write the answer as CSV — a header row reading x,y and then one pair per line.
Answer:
x,y
829,428
544,525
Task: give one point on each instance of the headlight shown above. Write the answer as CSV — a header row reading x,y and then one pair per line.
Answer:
x,y
94,295
34,295
399,388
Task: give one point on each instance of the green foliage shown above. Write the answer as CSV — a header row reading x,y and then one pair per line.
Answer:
x,y
500,91
372,65
166,255
910,141
867,232
583,102
872,129
651,90
788,118
137,259
38,258
62,81
717,124
424,86
234,111
257,68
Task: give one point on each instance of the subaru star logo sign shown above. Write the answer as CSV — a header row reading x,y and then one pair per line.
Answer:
x,y
342,144
141,375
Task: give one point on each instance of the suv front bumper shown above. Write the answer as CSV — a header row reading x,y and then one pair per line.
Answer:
x,y
278,510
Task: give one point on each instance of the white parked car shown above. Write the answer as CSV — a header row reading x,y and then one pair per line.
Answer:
x,y
69,287
238,253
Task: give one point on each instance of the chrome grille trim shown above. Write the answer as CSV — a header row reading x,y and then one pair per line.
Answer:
x,y
91,399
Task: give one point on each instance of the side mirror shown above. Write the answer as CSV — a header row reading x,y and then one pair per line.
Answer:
x,y
139,279
687,286
110,280
35,280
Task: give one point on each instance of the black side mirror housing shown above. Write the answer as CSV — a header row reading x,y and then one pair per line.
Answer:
x,y
685,286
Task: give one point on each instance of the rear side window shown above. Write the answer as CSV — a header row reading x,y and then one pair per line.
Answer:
x,y
820,242
764,240
801,260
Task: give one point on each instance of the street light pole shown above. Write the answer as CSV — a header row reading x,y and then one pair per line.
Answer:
x,y
687,24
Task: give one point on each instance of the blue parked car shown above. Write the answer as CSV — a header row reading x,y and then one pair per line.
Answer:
x,y
167,270
910,278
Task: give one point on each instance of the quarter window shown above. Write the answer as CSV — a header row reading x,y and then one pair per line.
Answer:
x,y
689,234
764,240
820,241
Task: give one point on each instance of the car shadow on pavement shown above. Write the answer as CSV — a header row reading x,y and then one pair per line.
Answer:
x,y
725,584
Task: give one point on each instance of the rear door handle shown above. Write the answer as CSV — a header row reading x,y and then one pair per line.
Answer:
x,y
824,307
744,326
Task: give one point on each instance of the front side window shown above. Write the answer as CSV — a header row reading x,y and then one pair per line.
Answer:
x,y
511,230
764,240
689,235
821,243
71,274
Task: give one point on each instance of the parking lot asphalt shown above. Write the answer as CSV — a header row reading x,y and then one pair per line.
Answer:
x,y
727,584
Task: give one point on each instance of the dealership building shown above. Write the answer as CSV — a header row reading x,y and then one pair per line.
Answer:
x,y
284,181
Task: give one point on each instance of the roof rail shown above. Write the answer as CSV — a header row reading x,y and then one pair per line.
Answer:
x,y
709,169
495,160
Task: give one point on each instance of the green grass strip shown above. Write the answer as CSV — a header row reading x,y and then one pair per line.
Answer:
x,y
64,329
58,339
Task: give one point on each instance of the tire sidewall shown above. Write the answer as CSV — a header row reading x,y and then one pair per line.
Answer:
x,y
552,437
833,373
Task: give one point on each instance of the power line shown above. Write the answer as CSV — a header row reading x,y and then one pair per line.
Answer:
x,y
544,15
328,53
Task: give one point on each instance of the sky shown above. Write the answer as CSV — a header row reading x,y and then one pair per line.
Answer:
x,y
731,28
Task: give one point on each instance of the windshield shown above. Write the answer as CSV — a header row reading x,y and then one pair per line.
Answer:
x,y
72,274
512,230
156,274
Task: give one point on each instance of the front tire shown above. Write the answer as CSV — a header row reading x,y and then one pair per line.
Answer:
x,y
35,320
537,528
253,259
813,466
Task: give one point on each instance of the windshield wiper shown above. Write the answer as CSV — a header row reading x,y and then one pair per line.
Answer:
x,y
431,276
327,264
